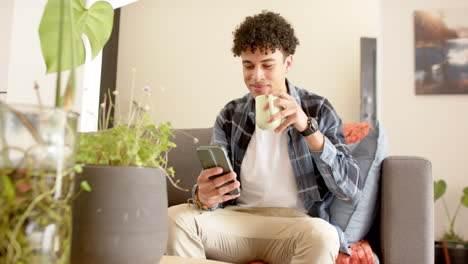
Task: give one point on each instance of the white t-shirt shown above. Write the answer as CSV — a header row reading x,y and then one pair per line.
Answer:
x,y
267,176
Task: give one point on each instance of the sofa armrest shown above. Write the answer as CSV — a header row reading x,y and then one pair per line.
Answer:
x,y
407,214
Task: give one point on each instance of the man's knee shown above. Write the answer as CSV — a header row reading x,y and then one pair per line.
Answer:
x,y
320,233
183,232
181,213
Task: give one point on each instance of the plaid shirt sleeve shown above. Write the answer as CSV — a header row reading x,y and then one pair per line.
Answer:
x,y
337,167
219,136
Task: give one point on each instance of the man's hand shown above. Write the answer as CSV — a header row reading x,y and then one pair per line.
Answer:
x,y
292,112
294,115
209,191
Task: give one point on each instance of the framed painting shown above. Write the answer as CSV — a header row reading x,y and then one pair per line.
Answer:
x,y
441,51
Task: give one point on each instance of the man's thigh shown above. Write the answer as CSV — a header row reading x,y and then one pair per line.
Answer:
x,y
239,235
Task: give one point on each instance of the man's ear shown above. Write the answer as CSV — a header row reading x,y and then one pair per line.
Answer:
x,y
288,61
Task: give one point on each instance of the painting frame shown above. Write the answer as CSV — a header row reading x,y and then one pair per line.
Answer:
x,y
441,51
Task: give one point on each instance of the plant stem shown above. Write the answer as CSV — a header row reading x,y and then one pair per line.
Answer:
x,y
26,123
70,92
447,213
186,134
173,183
102,108
23,218
452,223
38,94
131,96
100,128
58,84
13,243
109,109
3,142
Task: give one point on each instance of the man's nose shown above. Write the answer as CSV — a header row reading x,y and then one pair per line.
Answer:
x,y
258,74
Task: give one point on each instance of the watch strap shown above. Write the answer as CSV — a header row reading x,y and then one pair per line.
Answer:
x,y
312,127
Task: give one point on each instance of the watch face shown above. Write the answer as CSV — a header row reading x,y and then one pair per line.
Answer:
x,y
313,124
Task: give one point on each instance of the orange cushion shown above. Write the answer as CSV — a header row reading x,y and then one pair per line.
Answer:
x,y
354,132
361,254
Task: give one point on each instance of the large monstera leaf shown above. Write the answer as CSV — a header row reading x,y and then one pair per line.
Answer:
x,y
96,22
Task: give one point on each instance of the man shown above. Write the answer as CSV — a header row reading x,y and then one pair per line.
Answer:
x,y
288,177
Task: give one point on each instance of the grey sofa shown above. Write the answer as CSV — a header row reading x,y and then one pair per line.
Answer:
x,y
403,231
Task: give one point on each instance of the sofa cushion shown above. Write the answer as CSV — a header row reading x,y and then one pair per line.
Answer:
x,y
185,162
354,132
356,220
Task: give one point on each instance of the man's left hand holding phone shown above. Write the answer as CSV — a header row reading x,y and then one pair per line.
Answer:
x,y
213,182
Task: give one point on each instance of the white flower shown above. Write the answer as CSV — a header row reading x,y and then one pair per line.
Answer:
x,y
195,140
103,105
115,92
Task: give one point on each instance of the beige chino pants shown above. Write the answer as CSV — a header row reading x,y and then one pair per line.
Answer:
x,y
239,235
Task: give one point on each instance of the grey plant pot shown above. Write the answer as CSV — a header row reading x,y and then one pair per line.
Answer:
x,y
123,219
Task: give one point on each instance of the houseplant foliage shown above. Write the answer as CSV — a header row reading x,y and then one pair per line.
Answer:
x,y
132,141
439,189
126,166
38,143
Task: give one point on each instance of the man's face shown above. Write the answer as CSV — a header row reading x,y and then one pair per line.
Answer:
x,y
265,73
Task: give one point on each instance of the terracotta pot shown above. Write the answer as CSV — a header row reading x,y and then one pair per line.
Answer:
x,y
123,219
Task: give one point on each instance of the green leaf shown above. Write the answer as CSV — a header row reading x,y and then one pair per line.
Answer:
x,y
439,189
96,22
171,171
85,186
49,29
464,198
7,187
78,168
98,28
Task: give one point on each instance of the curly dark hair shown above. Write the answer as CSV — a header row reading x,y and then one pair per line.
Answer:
x,y
266,30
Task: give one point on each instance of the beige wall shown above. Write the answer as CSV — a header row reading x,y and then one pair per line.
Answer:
x,y
181,49
6,16
433,126
25,61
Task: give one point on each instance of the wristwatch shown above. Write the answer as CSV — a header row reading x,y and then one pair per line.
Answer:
x,y
312,127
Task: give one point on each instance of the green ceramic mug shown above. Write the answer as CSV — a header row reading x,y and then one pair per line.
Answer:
x,y
262,116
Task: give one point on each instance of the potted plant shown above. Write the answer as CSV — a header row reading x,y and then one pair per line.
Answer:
x,y
124,218
38,143
452,248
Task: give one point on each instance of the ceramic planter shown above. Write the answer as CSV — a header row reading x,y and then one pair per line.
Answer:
x,y
123,219
457,251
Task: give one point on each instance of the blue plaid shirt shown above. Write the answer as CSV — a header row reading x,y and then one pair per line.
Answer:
x,y
321,176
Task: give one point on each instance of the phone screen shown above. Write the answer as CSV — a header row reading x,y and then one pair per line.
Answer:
x,y
215,156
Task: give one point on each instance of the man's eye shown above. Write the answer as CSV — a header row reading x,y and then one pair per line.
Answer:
x,y
248,66
267,66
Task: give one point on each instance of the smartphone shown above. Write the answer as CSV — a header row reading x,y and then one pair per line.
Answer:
x,y
216,156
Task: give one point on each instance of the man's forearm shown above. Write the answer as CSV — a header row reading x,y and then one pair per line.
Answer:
x,y
315,141
339,170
